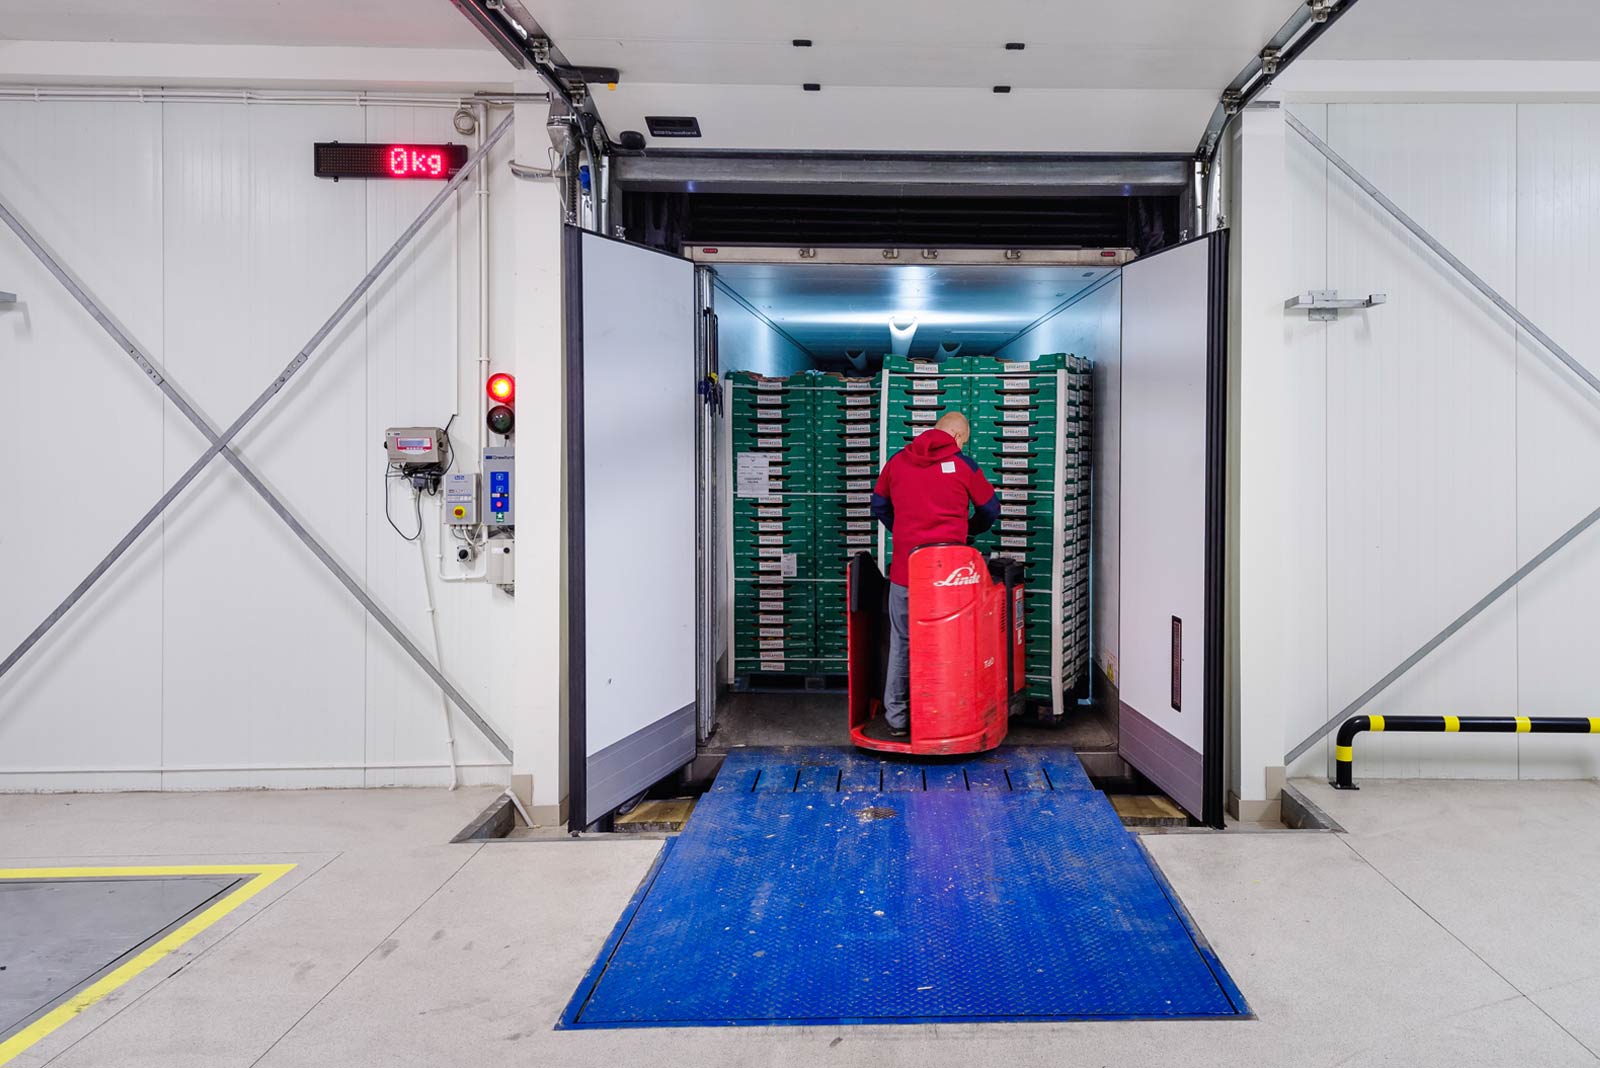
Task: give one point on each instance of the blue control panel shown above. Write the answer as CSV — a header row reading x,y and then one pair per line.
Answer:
x,y
499,507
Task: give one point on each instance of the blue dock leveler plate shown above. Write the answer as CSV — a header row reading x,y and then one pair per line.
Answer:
x,y
822,886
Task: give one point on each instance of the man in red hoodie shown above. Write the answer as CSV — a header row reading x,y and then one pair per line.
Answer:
x,y
922,496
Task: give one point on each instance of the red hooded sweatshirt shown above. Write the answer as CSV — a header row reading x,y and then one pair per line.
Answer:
x,y
923,494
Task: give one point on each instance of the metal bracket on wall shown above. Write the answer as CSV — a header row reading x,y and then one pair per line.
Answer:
x,y
7,298
1324,305
221,442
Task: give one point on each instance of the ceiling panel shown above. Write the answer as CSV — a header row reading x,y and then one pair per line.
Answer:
x,y
1466,29
829,308
349,23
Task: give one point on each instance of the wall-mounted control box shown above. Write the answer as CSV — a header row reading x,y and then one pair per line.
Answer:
x,y
499,508
461,498
500,562
415,446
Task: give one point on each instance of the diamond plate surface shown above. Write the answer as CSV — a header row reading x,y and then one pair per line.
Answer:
x,y
997,888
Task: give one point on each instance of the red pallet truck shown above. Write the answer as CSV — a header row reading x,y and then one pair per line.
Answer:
x,y
966,649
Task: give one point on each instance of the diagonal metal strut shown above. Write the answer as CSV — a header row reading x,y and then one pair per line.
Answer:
x,y
220,443
1522,321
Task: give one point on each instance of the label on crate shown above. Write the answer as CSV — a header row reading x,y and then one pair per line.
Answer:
x,y
1013,543
1015,385
767,399
920,368
858,400
858,443
1016,479
858,525
769,565
771,632
859,471
774,618
858,498
925,401
854,485
770,527
771,539
1011,495
858,539
865,384
1016,400
1013,509
1016,417
789,565
769,552
1009,367
773,385
753,475
770,643
767,592
768,415
925,385
1016,431
929,418
1015,446
1015,462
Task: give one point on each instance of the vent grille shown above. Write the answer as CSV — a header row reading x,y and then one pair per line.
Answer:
x,y
673,125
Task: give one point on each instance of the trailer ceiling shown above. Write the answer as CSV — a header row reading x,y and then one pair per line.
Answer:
x,y
908,75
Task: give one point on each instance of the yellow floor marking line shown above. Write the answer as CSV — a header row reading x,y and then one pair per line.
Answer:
x,y
265,876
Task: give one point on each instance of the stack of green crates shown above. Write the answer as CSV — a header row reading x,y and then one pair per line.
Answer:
x,y
774,561
845,462
824,438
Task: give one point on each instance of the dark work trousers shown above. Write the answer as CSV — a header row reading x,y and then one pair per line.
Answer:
x,y
897,686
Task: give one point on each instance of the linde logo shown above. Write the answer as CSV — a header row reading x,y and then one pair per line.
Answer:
x,y
965,575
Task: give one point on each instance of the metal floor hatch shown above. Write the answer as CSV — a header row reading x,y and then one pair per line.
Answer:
x,y
823,886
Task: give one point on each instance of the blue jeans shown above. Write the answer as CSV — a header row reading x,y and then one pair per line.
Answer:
x,y
897,684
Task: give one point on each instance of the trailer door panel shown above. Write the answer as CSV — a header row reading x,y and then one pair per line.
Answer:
x,y
1173,455
631,496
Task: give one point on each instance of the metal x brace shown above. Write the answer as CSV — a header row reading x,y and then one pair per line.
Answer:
x,y
220,444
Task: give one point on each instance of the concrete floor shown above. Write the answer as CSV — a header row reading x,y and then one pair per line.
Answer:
x,y
1455,924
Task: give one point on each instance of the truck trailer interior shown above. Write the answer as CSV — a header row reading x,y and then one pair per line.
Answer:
x,y
656,484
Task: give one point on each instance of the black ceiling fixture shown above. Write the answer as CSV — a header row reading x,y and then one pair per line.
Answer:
x,y
802,42
812,87
1015,46
1002,88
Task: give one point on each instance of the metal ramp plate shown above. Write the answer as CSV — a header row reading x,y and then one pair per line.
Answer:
x,y
822,886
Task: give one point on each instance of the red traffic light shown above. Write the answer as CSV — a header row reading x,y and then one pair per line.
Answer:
x,y
502,387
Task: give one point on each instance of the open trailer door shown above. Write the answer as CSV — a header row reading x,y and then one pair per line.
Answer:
x,y
1173,464
631,511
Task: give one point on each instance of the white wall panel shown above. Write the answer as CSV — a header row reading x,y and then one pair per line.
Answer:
x,y
1303,502
87,179
257,253
220,650
411,321
1422,428
1558,427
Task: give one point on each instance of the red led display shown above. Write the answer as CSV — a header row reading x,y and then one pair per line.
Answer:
x,y
341,159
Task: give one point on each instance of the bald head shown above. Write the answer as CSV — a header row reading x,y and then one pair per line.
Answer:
x,y
955,424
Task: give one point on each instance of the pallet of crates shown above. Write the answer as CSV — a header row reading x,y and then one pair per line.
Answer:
x,y
914,394
773,636
845,459
1076,527
1013,408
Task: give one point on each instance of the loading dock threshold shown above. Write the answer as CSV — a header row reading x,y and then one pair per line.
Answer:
x,y
821,886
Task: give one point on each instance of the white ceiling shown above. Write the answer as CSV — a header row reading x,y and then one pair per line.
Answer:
x,y
829,308
1465,29
350,23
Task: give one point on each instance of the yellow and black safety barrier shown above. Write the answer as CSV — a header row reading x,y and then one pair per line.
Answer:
x,y
1344,750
